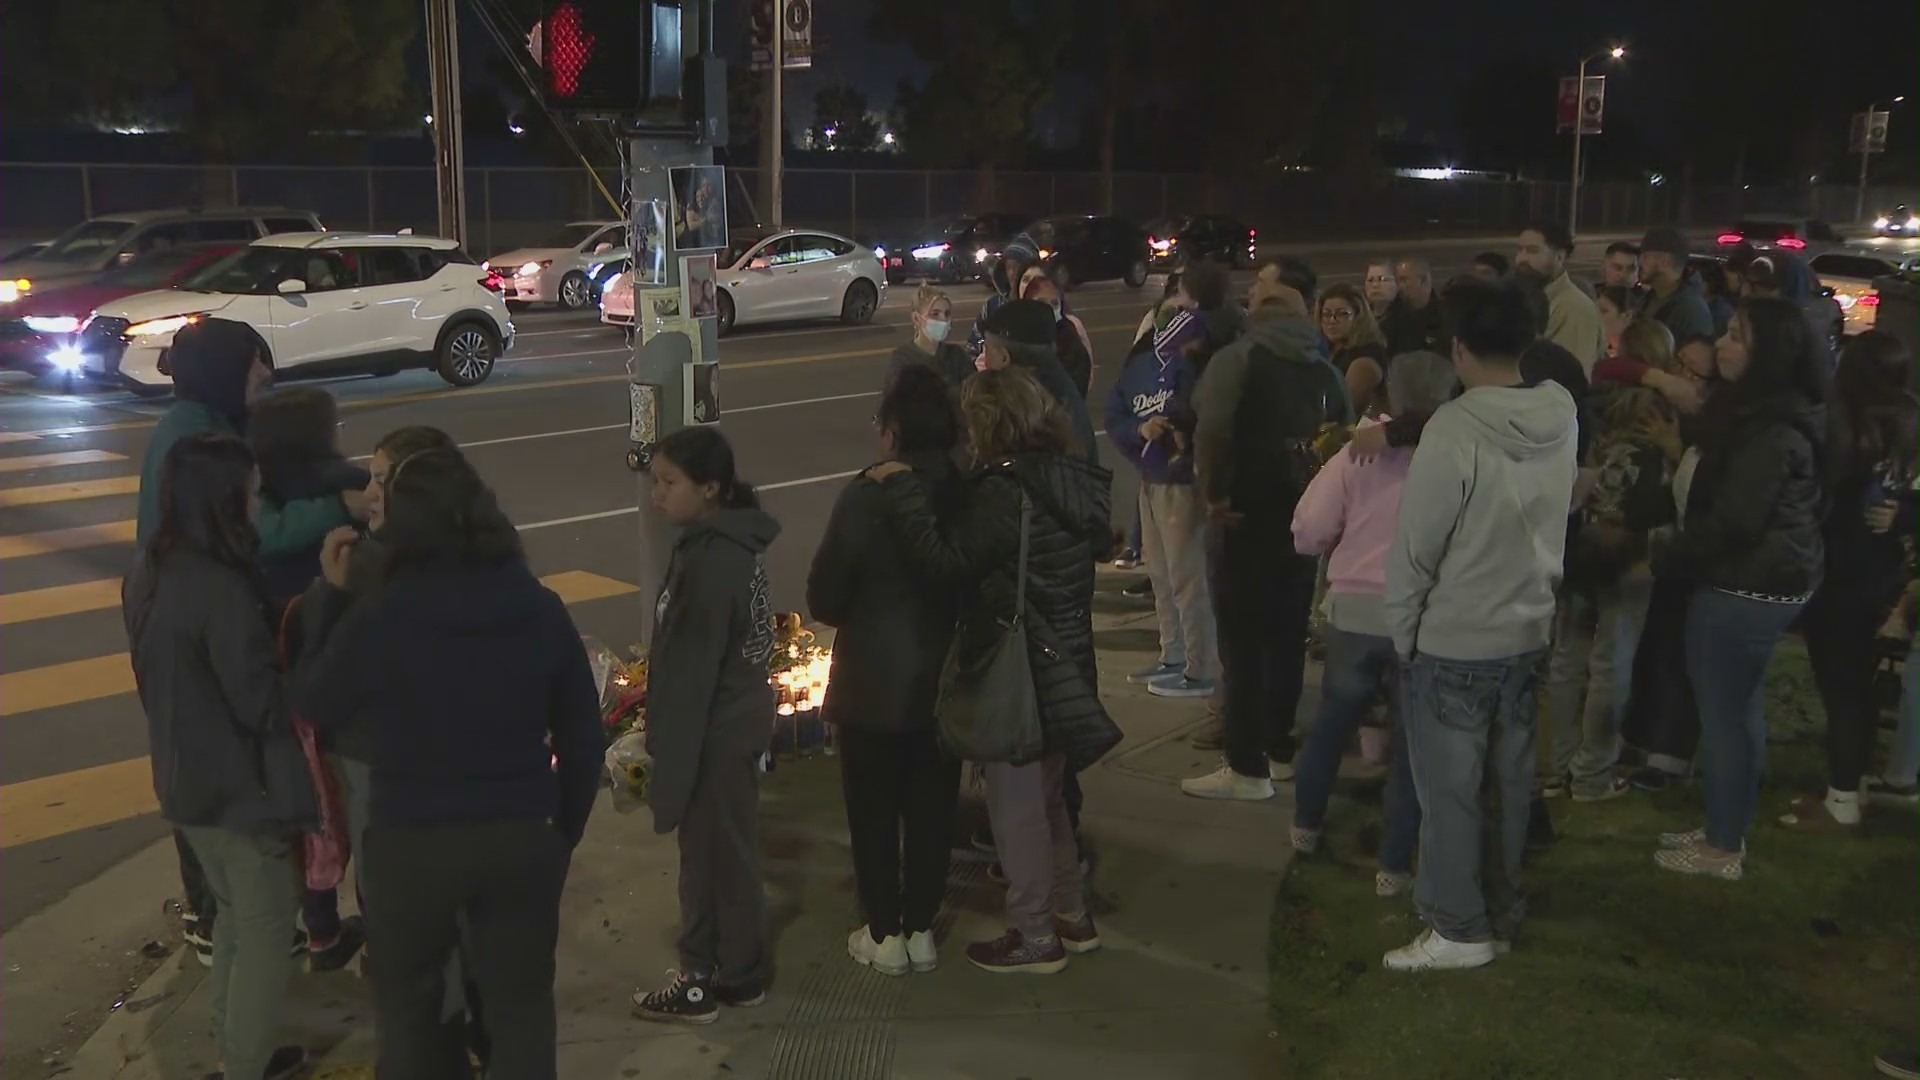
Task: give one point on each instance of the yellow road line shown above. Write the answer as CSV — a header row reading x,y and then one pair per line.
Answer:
x,y
78,489
53,461
578,586
65,684
59,600
27,545
68,802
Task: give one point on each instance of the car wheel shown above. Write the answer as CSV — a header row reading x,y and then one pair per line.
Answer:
x,y
858,308
467,354
1136,274
576,291
723,323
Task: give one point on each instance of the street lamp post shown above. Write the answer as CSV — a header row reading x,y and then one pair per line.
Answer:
x,y
1579,122
1866,144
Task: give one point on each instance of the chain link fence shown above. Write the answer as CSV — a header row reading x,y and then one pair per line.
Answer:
x,y
511,207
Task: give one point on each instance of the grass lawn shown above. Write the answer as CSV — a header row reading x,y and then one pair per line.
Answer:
x,y
1806,968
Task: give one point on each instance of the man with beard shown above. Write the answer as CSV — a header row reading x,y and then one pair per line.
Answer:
x,y
1573,319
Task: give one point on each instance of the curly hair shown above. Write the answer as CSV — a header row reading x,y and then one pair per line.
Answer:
x,y
1008,412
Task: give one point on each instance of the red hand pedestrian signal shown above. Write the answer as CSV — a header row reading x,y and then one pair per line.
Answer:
x,y
568,48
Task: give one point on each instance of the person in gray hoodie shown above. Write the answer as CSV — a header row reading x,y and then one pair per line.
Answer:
x,y
1470,580
710,717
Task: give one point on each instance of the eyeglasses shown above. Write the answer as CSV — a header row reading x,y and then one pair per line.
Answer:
x,y
1337,315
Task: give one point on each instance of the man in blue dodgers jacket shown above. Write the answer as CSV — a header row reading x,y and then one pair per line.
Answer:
x,y
1150,420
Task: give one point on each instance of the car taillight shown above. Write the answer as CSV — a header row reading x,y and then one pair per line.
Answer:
x,y
494,281
1731,238
1791,243
1872,299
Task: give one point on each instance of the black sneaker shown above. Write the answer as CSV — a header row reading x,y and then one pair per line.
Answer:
x,y
300,940
689,999
1142,590
1648,778
287,1061
751,995
341,951
195,933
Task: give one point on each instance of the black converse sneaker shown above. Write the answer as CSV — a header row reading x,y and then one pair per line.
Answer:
x,y
687,1000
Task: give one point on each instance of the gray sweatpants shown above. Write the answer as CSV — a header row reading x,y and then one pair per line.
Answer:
x,y
257,885
1173,540
1034,838
723,900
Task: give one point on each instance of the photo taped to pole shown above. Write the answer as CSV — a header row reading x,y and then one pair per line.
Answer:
x,y
699,207
702,393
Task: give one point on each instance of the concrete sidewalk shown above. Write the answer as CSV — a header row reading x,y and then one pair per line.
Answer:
x,y
1183,891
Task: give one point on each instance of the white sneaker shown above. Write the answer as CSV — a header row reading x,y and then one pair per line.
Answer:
x,y
1431,952
921,952
887,957
1281,772
1224,783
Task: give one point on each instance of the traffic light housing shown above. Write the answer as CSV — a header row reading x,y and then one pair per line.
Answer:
x,y
618,58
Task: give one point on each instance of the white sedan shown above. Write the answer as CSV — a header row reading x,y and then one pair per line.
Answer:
x,y
772,277
1850,273
558,270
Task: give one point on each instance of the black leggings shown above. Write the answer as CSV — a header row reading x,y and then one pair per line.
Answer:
x,y
1840,625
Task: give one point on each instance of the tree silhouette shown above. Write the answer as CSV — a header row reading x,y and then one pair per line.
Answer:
x,y
841,120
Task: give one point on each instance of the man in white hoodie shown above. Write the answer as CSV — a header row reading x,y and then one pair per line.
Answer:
x,y
1469,602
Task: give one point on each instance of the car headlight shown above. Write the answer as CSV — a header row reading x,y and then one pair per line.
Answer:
x,y
14,289
880,251
159,327
528,269
1881,223
67,359
52,324
931,251
981,255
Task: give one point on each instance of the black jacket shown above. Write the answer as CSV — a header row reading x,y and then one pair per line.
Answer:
x,y
1755,506
951,361
1043,362
977,554
1407,330
707,693
471,681
1260,404
892,627
219,727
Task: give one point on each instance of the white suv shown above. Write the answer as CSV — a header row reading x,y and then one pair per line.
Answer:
x,y
323,304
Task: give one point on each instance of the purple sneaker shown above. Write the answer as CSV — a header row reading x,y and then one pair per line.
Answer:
x,y
1077,935
1013,953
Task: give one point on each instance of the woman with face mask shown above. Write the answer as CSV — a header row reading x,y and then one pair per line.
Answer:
x,y
932,326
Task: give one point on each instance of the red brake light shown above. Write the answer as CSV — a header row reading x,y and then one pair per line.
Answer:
x,y
1731,238
494,281
1872,299
1251,233
1152,239
1791,243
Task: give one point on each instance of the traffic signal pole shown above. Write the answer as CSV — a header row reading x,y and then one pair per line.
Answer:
x,y
449,157
776,122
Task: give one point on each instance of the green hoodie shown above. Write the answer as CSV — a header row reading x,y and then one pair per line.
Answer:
x,y
283,529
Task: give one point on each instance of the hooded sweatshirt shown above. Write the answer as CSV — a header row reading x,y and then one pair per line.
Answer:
x,y
950,360
467,682
1348,514
1044,362
210,361
1684,310
707,691
1478,547
1261,397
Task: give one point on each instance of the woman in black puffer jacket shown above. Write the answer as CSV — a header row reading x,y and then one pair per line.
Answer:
x,y
1752,544
1022,448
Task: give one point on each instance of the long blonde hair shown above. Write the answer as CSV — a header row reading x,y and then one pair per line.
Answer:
x,y
1650,342
1007,411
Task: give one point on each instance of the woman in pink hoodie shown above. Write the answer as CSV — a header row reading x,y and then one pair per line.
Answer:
x,y
1348,514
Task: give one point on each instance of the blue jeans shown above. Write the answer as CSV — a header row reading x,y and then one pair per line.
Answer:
x,y
1903,761
1470,727
1730,640
1357,666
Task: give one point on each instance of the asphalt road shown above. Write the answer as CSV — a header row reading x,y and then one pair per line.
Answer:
x,y
548,430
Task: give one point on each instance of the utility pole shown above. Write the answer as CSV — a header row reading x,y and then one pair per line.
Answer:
x,y
1579,126
777,120
1867,150
449,158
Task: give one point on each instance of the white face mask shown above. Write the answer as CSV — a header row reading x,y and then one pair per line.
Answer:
x,y
936,330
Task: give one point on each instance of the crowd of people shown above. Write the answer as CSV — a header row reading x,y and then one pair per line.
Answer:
x,y
1468,498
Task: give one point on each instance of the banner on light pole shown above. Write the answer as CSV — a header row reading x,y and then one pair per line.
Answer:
x,y
795,26
1584,105
1868,133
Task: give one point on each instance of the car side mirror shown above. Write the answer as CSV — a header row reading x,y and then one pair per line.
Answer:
x,y
759,264
291,286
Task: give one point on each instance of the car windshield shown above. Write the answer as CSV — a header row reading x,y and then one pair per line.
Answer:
x,y
1766,230
569,236
254,271
155,271
740,245
1059,231
944,227
87,241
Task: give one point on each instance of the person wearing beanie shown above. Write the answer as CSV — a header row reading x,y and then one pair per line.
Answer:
x,y
1022,333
